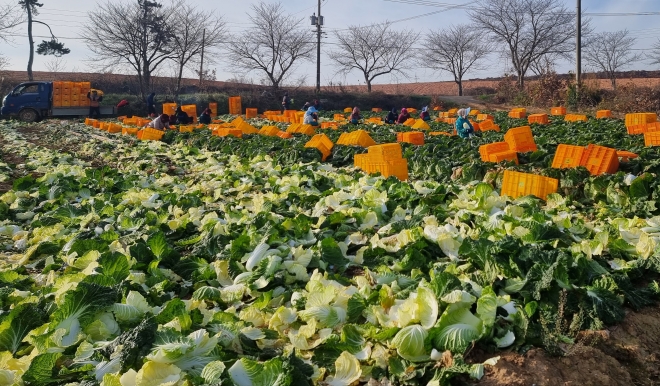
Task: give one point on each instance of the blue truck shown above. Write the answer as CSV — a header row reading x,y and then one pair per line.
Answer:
x,y
32,101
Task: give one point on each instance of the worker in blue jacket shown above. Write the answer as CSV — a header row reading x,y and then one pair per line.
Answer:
x,y
463,126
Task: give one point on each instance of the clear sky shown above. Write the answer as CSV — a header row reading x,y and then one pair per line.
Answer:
x,y
66,18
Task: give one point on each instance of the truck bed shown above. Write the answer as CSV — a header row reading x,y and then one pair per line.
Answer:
x,y
78,111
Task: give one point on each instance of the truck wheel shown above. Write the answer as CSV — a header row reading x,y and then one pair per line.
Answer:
x,y
28,115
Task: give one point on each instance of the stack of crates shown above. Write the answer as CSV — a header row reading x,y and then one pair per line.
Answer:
x,y
71,94
421,125
515,184
385,159
413,137
558,111
575,118
519,113
356,138
322,143
643,128
520,139
541,119
640,119
213,106
169,109
191,110
497,152
488,125
601,114
235,105
251,113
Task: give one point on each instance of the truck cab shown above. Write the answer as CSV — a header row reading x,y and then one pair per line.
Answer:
x,y
29,101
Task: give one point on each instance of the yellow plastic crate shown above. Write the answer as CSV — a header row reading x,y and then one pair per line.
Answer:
x,y
169,108
421,125
492,148
599,160
129,131
600,114
520,139
410,122
575,118
322,143
517,184
652,138
395,168
186,129
387,151
509,155
356,138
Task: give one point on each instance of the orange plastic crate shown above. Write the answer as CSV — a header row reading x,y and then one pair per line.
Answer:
x,y
330,125
213,106
488,125
186,129
575,118
356,138
395,168
541,119
567,156
600,114
410,122
451,121
420,124
235,105
339,117
640,118
226,131
414,137
322,143
509,155
652,138
377,110
483,117
492,148
386,151
520,139
359,160
626,155
517,114
643,128
284,134
436,133
251,113
129,131
517,184
191,110
169,108
599,160
558,111
114,128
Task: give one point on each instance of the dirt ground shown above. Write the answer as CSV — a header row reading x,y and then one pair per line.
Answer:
x,y
625,355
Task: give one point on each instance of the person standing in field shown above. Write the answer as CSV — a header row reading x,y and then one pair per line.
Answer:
x,y
151,104
94,104
286,102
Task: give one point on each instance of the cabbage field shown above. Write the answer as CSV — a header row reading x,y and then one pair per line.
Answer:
x,y
205,260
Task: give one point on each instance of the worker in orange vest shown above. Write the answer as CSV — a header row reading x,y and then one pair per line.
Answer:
x,y
94,104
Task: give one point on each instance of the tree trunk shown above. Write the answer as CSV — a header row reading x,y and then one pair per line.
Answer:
x,y
145,81
178,82
521,80
28,7
613,82
368,85
460,87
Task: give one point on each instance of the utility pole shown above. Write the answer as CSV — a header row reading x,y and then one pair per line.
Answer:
x,y
578,44
318,22
201,63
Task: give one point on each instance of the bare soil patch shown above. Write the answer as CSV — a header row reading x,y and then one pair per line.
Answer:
x,y
624,355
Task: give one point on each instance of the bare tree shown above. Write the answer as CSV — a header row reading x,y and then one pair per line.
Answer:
x,y
10,17
457,50
528,29
56,65
137,35
373,50
195,30
273,44
654,56
611,52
